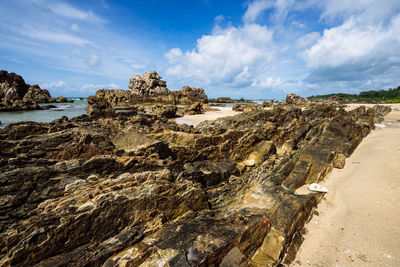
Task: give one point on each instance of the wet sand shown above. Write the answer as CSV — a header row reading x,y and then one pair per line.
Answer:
x,y
209,115
359,218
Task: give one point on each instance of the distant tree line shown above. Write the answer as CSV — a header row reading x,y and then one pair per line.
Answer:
x,y
389,96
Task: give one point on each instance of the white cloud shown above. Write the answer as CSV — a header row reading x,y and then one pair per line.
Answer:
x,y
231,56
75,27
93,60
173,55
280,8
53,84
255,9
268,82
375,11
66,10
360,53
56,37
307,40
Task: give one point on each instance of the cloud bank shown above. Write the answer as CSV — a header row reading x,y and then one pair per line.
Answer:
x,y
354,47
271,48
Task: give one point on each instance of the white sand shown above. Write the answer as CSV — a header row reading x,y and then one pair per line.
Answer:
x,y
359,219
209,115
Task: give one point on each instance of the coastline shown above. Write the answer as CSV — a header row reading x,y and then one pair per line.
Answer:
x,y
357,221
223,179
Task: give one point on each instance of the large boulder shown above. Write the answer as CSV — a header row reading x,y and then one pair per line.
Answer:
x,y
296,99
12,86
147,84
165,111
196,108
16,95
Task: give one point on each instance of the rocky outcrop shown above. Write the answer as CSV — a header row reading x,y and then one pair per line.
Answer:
x,y
38,95
146,89
135,189
16,95
195,108
296,99
149,88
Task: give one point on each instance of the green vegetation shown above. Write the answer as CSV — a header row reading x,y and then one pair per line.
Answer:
x,y
389,96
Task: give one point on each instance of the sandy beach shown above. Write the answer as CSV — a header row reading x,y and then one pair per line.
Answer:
x,y
209,115
358,221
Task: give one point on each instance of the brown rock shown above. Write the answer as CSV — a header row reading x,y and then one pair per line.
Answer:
x,y
196,108
296,99
339,161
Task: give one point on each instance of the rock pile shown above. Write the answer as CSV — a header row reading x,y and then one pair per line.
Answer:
x,y
147,89
135,189
296,99
16,95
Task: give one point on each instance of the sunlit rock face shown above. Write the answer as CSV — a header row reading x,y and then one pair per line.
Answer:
x,y
134,189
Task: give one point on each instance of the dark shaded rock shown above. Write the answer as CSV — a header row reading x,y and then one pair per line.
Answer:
x,y
16,95
165,111
208,173
99,106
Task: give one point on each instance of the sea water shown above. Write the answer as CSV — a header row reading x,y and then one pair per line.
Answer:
x,y
63,109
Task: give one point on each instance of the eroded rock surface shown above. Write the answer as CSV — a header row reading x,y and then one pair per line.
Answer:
x,y
133,189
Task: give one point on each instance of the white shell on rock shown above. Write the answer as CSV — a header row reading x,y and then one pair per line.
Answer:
x,y
318,188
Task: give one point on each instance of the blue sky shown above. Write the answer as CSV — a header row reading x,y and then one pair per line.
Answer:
x,y
251,49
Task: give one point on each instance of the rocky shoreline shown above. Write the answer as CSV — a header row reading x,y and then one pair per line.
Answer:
x,y
16,95
135,189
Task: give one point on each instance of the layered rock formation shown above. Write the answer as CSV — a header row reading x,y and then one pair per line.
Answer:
x,y
146,89
16,95
132,189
